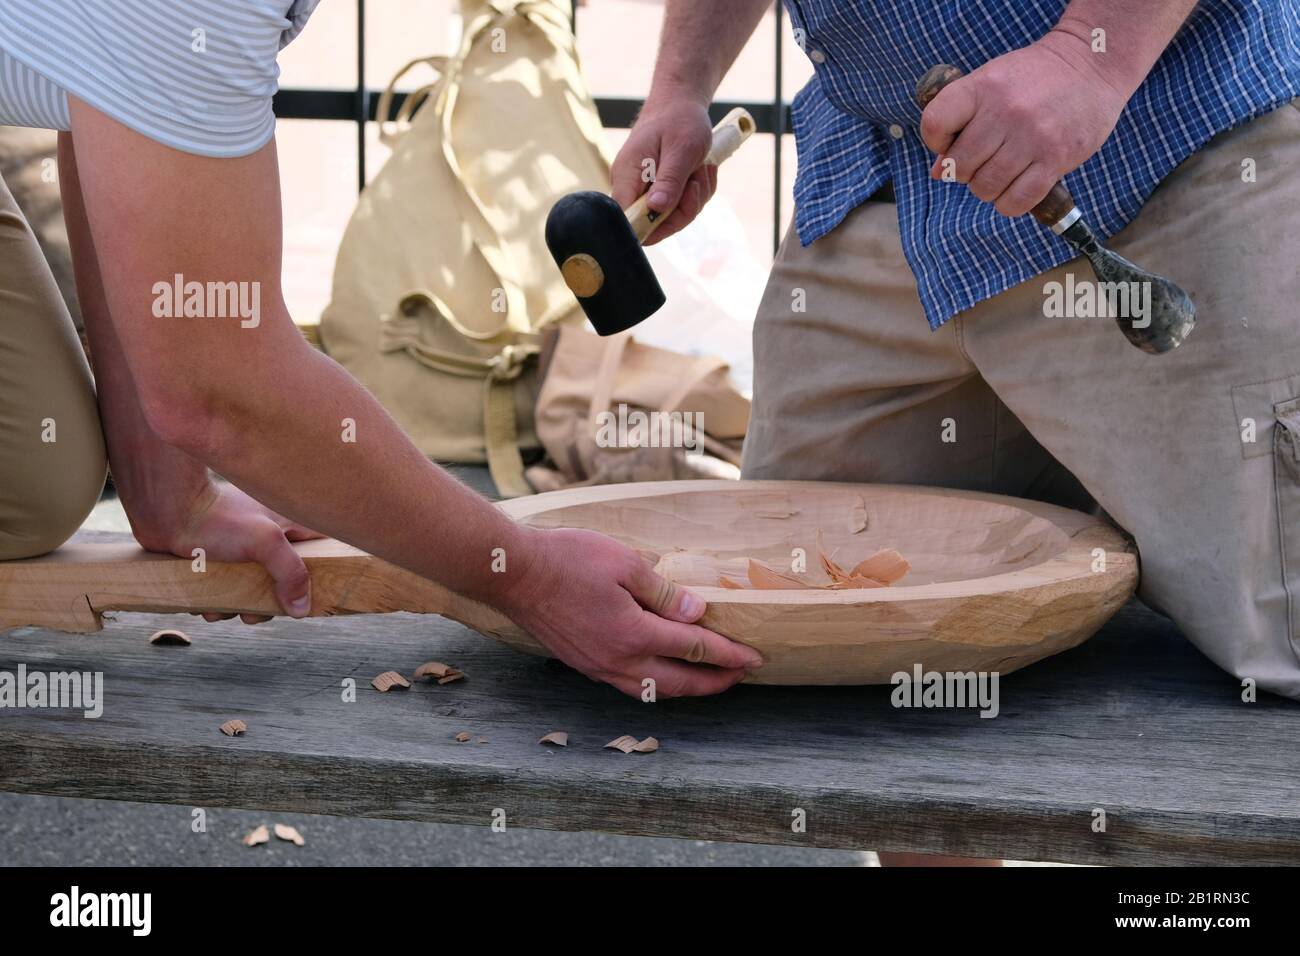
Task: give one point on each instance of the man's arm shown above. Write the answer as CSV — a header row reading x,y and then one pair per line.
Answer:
x,y
1020,122
169,497
699,42
256,404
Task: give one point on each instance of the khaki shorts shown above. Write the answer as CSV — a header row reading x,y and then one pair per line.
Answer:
x,y
1195,453
52,460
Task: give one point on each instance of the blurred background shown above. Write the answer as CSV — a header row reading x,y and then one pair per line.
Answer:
x,y
617,42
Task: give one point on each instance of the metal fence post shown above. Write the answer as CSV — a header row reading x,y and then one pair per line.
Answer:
x,y
363,97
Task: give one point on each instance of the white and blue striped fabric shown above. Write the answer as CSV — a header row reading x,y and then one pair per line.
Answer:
x,y
196,75
857,125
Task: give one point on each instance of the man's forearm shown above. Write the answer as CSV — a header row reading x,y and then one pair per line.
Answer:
x,y
300,414
1127,37
155,482
254,402
699,42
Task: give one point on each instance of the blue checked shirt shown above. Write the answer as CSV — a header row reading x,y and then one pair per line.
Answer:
x,y
857,125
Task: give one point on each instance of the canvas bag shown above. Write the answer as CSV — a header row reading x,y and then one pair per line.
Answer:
x,y
585,375
443,280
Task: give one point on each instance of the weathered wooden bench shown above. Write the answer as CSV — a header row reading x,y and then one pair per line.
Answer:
x,y
1134,724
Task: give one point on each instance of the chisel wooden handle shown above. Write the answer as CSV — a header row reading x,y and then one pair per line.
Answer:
x,y
1057,210
736,127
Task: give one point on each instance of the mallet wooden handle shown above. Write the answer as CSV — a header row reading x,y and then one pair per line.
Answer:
x,y
1057,210
736,127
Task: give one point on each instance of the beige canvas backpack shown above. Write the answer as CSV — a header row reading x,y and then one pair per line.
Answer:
x,y
443,280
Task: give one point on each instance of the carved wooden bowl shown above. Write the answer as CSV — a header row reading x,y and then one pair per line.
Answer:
x,y
995,582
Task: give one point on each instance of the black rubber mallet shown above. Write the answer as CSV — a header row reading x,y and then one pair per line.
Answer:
x,y
598,246
1172,314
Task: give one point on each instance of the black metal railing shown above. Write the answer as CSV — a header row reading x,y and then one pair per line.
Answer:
x,y
357,105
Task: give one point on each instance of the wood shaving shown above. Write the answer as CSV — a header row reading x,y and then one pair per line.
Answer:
x,y
234,728
557,738
833,571
775,514
629,744
880,570
764,578
170,637
257,837
885,566
482,740
442,673
289,834
388,680
463,737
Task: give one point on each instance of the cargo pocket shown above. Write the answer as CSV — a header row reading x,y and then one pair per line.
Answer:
x,y
1286,468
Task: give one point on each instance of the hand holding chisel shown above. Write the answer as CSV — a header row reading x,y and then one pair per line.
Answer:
x,y
1172,314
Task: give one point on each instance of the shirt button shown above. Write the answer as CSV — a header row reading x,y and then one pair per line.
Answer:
x,y
896,131
817,56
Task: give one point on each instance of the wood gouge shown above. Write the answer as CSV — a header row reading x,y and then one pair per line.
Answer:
x,y
1172,314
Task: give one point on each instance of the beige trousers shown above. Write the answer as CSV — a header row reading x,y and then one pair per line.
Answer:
x,y
52,460
1195,453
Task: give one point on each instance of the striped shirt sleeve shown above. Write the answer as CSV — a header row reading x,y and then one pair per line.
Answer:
x,y
195,75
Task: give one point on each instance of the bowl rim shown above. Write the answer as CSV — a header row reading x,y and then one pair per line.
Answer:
x,y
1084,533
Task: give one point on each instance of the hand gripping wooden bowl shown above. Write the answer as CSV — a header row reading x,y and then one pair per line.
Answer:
x,y
996,583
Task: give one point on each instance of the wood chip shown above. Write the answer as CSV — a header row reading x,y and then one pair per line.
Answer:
x,y
287,833
764,578
629,744
557,738
234,728
170,637
836,573
388,680
442,673
463,737
257,837
482,740
885,566
880,570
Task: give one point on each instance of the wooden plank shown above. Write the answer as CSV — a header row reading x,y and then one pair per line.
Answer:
x,y
71,589
1134,722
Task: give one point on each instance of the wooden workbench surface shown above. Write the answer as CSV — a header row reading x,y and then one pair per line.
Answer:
x,y
1134,722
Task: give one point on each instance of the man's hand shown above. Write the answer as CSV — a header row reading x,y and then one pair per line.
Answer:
x,y
665,153
599,607
1014,127
230,526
